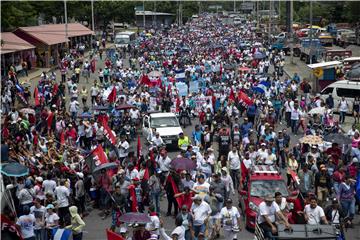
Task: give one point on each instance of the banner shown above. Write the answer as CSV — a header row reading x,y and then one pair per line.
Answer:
x,y
182,88
96,158
200,102
194,87
9,230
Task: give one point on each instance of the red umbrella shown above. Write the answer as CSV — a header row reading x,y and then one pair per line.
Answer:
x,y
244,69
124,106
183,164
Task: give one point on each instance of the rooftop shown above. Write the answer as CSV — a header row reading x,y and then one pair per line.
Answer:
x,y
51,34
11,43
151,13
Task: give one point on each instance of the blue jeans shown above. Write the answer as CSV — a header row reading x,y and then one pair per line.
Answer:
x,y
342,117
294,126
188,234
199,229
348,207
155,198
40,234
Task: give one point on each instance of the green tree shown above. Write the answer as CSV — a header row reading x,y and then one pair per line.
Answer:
x,y
16,14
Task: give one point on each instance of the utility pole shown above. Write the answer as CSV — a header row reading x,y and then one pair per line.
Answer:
x,y
66,25
154,16
291,31
257,14
270,18
144,18
311,33
235,6
92,16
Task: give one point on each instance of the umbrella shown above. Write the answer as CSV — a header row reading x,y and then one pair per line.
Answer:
x,y
258,55
183,164
124,106
317,110
85,115
311,139
14,169
27,111
134,217
244,69
258,90
100,108
105,166
337,138
155,74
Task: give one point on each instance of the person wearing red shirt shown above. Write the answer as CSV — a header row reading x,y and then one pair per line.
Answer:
x,y
71,135
335,153
184,198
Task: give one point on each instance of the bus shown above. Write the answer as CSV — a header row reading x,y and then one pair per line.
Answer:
x,y
350,62
123,39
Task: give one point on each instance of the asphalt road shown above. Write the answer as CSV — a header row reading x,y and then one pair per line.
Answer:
x,y
95,226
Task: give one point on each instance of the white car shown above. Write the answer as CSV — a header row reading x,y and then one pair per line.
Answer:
x,y
166,124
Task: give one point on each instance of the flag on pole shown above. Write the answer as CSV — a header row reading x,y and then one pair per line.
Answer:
x,y
36,97
61,234
96,158
108,132
244,99
180,75
112,95
138,147
232,95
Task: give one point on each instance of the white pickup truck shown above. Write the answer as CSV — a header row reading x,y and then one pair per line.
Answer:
x,y
166,124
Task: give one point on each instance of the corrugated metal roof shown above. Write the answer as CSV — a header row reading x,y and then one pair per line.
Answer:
x,y
12,43
151,13
51,34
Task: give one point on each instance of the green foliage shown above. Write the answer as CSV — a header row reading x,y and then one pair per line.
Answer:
x,y
15,14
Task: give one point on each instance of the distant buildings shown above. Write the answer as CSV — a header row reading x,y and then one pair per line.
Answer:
x,y
153,19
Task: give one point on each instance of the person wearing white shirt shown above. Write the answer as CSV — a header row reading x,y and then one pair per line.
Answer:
x,y
157,140
262,153
268,211
164,163
177,234
280,201
123,148
343,109
288,107
201,187
234,164
201,212
154,225
230,219
74,108
62,194
49,185
295,117
314,214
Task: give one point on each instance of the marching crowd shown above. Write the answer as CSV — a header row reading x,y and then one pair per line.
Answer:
x,y
82,153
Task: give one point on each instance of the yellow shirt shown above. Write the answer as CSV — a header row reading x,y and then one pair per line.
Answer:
x,y
77,70
183,142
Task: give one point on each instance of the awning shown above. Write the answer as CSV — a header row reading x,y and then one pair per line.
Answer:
x,y
324,64
11,43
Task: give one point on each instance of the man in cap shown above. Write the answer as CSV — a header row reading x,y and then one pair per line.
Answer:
x,y
268,211
334,213
230,218
322,185
80,193
201,212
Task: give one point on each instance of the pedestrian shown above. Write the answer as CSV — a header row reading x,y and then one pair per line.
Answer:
x,y
51,220
39,211
230,219
155,190
77,224
26,223
343,108
346,196
201,212
62,194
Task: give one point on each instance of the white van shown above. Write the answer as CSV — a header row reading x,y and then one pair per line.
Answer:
x,y
166,124
123,39
343,88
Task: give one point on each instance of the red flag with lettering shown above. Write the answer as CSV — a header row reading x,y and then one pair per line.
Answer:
x,y
96,158
112,95
36,97
243,98
134,207
108,132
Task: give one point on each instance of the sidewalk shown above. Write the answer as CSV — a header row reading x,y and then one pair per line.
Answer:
x,y
37,71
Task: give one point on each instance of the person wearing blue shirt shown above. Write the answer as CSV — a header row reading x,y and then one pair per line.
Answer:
x,y
196,135
296,78
251,113
245,128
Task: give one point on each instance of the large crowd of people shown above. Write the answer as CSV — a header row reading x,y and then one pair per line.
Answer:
x,y
226,84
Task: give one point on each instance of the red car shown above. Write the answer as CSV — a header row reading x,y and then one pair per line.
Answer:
x,y
262,181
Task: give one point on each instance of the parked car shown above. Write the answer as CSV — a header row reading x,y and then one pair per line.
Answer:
x,y
343,88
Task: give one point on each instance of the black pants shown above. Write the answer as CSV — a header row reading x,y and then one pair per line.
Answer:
x,y
172,201
64,216
288,118
80,204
